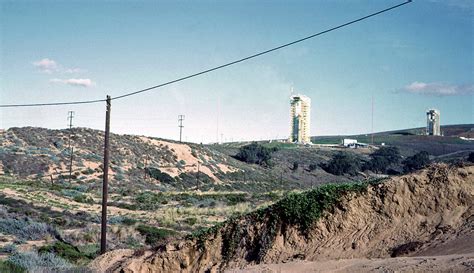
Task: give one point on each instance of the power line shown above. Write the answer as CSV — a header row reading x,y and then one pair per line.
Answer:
x,y
51,103
220,66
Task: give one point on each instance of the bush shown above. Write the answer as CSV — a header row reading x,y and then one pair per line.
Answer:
x,y
255,154
10,248
83,198
382,159
33,262
416,162
7,266
25,229
295,166
65,251
312,167
153,234
149,200
159,175
342,163
470,158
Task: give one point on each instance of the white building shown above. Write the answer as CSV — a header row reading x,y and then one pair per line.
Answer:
x,y
433,122
347,142
300,110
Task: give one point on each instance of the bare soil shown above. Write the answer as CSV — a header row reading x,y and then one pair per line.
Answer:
x,y
426,213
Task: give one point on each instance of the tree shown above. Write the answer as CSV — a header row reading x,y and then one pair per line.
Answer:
x,y
342,163
382,159
255,153
416,162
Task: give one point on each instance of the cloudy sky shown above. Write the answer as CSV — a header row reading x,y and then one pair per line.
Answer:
x,y
410,59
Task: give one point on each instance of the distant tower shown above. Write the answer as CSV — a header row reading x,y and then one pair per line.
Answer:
x,y
433,124
300,108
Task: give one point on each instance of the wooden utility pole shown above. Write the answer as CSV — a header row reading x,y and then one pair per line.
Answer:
x,y
103,234
180,125
372,130
197,178
70,117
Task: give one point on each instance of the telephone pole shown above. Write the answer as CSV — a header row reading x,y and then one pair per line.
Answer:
x,y
103,228
372,133
180,125
70,117
197,178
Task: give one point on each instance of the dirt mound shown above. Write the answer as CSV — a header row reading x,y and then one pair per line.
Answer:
x,y
409,214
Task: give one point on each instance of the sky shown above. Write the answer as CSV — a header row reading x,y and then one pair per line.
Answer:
x,y
408,60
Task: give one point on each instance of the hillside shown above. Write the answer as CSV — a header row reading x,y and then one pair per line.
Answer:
x,y
410,141
142,163
425,213
41,153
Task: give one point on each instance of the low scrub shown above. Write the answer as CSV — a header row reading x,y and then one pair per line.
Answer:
x,y
37,262
153,235
66,251
255,154
342,163
25,229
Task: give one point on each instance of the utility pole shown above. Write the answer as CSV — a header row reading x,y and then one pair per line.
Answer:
x,y
180,125
197,178
372,134
103,229
70,117
146,165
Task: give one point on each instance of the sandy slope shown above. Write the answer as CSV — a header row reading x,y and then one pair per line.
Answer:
x,y
426,213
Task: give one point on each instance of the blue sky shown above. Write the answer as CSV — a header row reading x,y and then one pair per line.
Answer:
x,y
410,59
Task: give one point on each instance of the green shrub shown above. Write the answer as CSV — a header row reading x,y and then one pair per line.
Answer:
x,y
83,198
382,159
65,251
149,200
416,162
7,266
342,163
159,175
255,154
153,234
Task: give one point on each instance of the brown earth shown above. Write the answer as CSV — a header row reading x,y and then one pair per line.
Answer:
x,y
426,213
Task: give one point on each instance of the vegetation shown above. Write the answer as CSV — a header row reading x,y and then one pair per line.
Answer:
x,y
66,251
255,154
382,159
416,162
342,163
159,175
470,158
153,235
33,262
25,229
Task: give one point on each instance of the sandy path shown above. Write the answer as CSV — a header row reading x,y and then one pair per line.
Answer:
x,y
448,263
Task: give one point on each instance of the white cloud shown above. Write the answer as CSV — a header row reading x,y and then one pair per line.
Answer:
x,y
74,70
439,89
46,65
49,66
74,82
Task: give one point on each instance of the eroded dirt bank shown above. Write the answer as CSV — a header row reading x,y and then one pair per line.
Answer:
x,y
405,215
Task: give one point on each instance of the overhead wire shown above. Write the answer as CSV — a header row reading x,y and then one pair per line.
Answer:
x,y
214,68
